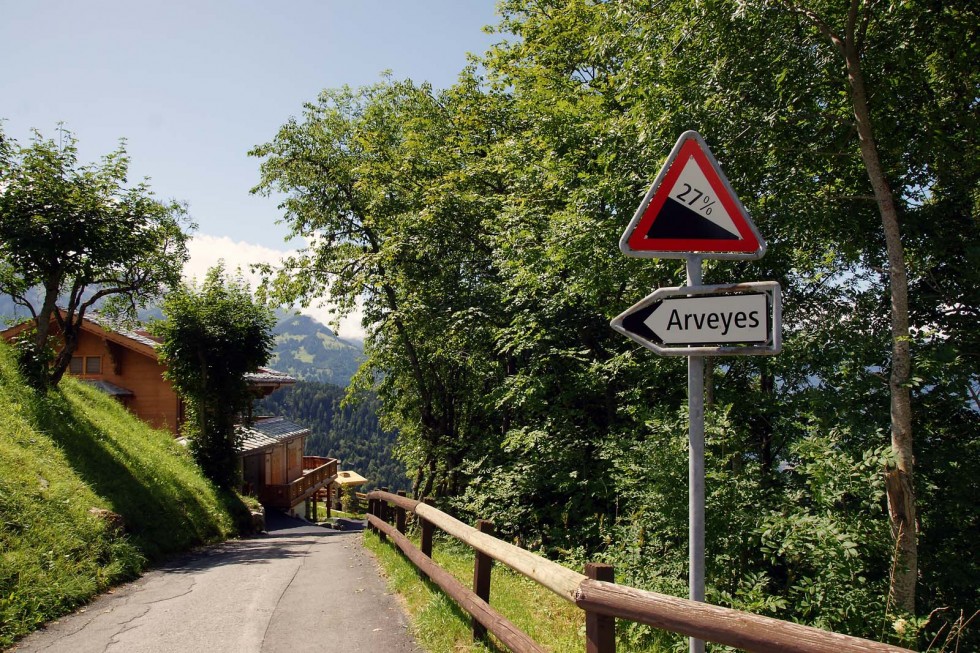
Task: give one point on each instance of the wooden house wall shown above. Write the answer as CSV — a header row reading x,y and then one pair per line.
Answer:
x,y
253,471
277,469
279,464
294,458
154,400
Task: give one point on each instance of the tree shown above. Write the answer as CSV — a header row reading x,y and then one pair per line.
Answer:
x,y
213,336
389,185
849,41
76,234
575,440
840,148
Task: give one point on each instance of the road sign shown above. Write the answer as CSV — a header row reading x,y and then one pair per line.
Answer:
x,y
720,320
692,209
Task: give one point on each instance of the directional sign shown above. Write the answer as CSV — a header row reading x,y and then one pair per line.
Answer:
x,y
697,320
692,209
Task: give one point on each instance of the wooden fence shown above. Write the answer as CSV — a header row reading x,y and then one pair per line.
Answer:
x,y
594,592
360,501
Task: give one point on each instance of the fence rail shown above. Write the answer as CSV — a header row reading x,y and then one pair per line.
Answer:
x,y
602,600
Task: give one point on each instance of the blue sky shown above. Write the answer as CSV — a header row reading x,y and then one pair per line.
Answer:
x,y
193,86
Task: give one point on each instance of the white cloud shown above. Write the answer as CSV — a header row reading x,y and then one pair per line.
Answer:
x,y
206,251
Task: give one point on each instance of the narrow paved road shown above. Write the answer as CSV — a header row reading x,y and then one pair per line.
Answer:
x,y
298,588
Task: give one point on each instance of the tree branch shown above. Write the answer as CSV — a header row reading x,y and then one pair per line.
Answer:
x,y
819,23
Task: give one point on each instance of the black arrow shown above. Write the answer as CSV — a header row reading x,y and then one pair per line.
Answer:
x,y
635,322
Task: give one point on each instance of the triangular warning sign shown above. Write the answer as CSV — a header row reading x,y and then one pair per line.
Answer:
x,y
692,209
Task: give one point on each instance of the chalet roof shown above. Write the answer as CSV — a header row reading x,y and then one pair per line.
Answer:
x,y
269,431
268,375
139,336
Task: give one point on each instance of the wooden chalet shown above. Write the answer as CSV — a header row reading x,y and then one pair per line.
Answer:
x,y
125,365
275,470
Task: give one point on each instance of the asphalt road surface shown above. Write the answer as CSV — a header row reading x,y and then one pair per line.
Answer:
x,y
298,588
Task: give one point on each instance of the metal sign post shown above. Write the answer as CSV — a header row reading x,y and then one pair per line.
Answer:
x,y
691,212
695,468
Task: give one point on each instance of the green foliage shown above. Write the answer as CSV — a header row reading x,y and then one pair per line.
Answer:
x,y
479,225
70,450
383,182
33,361
213,336
78,232
350,433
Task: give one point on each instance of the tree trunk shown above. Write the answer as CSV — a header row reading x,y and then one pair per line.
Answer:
x,y
429,479
900,491
46,314
63,359
764,429
898,480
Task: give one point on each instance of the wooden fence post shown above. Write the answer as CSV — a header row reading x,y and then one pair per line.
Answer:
x,y
600,629
481,577
380,506
425,545
329,499
400,515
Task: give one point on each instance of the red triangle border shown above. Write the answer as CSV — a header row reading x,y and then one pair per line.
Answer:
x,y
748,244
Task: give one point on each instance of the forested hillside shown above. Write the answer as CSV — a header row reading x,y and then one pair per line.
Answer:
x,y
478,225
350,433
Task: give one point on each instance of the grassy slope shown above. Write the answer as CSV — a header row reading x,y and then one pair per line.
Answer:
x,y
77,449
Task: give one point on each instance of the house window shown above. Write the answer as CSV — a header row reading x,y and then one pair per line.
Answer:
x,y
93,365
75,367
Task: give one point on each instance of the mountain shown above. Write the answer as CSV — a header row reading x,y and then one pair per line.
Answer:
x,y
310,351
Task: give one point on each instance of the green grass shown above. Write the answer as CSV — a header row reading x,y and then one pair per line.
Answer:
x,y
440,626
67,452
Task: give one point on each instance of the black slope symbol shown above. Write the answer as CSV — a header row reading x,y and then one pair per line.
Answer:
x,y
675,220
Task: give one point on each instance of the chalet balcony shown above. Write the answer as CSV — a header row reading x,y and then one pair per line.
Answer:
x,y
317,472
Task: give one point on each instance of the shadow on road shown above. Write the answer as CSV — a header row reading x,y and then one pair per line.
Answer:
x,y
285,537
